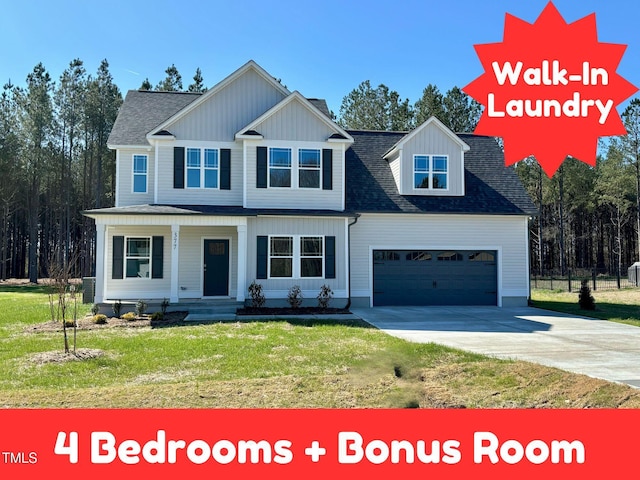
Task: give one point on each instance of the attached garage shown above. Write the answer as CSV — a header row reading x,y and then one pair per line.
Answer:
x,y
435,277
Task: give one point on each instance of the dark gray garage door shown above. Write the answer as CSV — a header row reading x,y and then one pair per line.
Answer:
x,y
435,277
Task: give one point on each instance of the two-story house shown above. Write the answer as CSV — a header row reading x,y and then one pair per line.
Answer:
x,y
250,181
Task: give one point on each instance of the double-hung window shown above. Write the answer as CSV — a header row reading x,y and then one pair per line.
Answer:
x,y
138,257
193,167
280,167
211,168
281,257
311,257
140,164
308,168
430,172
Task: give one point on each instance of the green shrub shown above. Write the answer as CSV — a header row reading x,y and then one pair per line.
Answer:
x,y
95,309
585,299
164,305
294,297
129,316
117,307
157,316
69,322
325,296
141,307
99,319
257,297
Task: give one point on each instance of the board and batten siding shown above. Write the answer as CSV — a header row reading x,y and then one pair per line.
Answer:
x,y
125,177
236,105
190,269
431,140
284,226
198,196
138,288
507,234
294,122
294,198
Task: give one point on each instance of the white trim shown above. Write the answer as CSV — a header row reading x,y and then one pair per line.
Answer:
x,y
101,265
117,202
129,147
400,144
125,257
241,276
347,241
204,144
528,254
306,103
174,242
133,174
155,175
396,246
249,137
430,172
343,184
196,220
244,174
250,65
215,237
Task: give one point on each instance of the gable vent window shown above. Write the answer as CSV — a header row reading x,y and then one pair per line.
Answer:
x,y
430,172
280,167
308,168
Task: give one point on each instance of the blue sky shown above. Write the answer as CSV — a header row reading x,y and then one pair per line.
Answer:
x,y
321,48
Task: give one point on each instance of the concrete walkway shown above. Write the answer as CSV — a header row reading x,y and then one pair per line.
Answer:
x,y
596,348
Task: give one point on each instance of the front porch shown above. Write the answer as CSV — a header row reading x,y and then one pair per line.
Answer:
x,y
181,258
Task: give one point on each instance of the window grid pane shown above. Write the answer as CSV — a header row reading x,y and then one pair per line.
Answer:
x,y
210,158
140,164
421,163
439,164
280,157
309,158
137,258
140,183
193,157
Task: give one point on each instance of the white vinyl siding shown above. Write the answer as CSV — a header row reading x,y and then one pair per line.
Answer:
x,y
432,141
235,106
297,228
294,197
295,122
137,288
199,196
506,234
126,174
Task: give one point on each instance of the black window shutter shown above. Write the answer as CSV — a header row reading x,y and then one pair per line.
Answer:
x,y
261,168
225,169
330,257
263,256
157,252
178,167
327,169
118,257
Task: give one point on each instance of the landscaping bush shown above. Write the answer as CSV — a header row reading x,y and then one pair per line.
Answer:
x,y
157,316
141,307
129,316
95,309
294,297
164,305
257,297
117,307
585,299
99,319
325,296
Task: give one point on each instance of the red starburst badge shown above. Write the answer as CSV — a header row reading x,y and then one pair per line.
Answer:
x,y
550,89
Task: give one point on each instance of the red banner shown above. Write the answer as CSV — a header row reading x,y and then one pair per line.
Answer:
x,y
283,444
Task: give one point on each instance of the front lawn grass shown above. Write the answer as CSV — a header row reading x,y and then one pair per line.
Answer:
x,y
622,306
280,363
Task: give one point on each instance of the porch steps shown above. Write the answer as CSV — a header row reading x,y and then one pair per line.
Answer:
x,y
212,310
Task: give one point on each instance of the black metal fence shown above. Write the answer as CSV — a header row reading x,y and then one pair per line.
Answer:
x,y
597,281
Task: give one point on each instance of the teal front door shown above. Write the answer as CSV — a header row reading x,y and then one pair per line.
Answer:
x,y
216,268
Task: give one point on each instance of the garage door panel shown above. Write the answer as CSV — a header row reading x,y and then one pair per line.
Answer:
x,y
435,277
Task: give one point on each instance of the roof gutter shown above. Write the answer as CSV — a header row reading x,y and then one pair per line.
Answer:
x,y
355,220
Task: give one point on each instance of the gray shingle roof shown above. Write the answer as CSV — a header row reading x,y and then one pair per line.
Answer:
x,y
490,187
224,210
321,105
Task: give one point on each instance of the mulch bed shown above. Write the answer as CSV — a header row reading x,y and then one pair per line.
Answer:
x,y
291,311
86,323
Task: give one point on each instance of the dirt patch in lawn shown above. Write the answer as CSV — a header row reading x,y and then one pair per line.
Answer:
x,y
57,356
86,323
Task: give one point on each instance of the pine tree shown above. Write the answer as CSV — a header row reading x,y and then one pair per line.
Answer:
x,y
198,83
172,82
430,104
146,85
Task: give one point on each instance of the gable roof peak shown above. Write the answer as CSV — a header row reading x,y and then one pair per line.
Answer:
x,y
432,120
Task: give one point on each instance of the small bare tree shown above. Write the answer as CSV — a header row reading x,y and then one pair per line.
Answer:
x,y
63,298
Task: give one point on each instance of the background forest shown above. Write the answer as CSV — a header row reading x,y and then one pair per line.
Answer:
x,y
54,163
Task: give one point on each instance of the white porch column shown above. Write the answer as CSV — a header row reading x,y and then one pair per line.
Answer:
x,y
101,262
175,249
242,262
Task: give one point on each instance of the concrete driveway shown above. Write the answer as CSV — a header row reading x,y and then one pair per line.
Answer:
x,y
592,347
